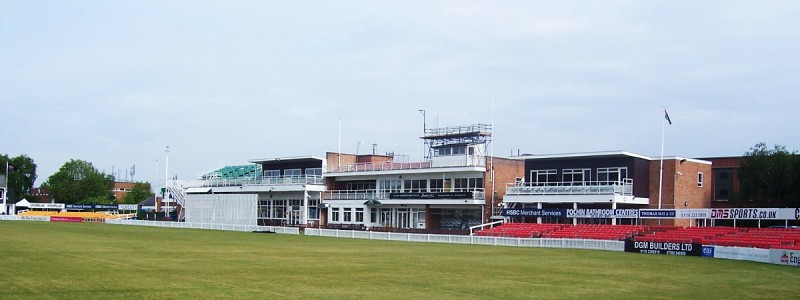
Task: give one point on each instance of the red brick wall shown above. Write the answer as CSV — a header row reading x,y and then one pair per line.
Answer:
x,y
373,158
505,171
333,158
680,191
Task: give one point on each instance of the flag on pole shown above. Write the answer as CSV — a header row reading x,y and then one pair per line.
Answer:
x,y
666,116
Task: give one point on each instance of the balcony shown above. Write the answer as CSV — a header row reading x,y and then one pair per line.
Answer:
x,y
265,181
434,194
395,166
623,188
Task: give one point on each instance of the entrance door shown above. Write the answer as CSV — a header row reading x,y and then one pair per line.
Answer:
x,y
403,219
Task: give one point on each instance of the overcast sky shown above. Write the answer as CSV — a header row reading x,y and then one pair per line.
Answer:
x,y
115,82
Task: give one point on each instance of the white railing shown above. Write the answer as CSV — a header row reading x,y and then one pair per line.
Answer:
x,y
471,239
389,166
624,187
477,194
481,226
212,226
287,180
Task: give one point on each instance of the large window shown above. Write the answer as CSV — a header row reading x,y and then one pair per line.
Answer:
x,y
437,185
292,173
467,184
575,176
347,216
334,214
543,177
449,151
390,186
313,171
723,183
360,185
415,186
611,175
360,215
272,173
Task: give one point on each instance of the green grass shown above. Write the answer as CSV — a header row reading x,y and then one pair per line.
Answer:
x,y
81,261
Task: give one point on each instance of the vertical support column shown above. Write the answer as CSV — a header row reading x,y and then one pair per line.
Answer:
x,y
574,206
539,219
304,215
613,206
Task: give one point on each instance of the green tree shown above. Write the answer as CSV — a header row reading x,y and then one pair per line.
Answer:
x,y
139,192
78,182
21,177
769,177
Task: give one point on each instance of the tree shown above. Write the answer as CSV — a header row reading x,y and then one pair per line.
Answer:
x,y
139,193
21,177
770,176
78,182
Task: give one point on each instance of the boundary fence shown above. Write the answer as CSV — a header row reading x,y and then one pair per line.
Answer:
x,y
470,239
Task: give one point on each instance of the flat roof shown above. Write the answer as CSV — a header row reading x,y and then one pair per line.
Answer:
x,y
309,158
581,154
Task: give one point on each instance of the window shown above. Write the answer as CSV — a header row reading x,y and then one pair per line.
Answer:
x,y
361,185
575,176
611,175
373,215
347,216
543,177
390,186
335,214
314,171
699,179
415,185
452,150
292,173
360,215
272,173
437,185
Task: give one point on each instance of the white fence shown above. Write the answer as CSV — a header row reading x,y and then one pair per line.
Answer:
x,y
470,239
212,226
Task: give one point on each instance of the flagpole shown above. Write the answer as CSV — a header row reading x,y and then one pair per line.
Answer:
x,y
661,168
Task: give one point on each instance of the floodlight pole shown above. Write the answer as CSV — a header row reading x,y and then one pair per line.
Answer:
x,y
166,182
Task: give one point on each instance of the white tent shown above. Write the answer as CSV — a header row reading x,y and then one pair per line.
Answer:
x,y
23,203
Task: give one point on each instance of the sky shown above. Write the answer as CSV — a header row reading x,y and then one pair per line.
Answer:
x,y
221,82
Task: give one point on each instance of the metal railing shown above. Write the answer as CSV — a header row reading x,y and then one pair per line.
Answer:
x,y
455,130
470,239
477,194
282,180
624,187
390,166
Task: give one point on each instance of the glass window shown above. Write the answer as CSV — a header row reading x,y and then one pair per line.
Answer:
x,y
335,214
611,175
373,215
543,177
347,216
575,176
436,185
314,171
292,173
359,215
272,173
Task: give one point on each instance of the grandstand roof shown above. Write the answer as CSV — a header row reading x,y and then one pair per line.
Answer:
x,y
287,159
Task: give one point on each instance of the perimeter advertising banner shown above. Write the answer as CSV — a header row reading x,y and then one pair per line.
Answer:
x,y
534,212
668,248
785,257
65,219
46,206
454,195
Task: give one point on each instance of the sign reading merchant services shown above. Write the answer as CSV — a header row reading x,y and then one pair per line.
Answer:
x,y
456,195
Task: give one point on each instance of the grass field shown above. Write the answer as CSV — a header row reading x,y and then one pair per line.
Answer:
x,y
83,260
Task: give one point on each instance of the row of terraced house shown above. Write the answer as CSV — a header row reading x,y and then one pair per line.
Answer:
x,y
460,185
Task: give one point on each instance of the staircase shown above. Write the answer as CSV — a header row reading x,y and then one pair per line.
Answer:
x,y
179,195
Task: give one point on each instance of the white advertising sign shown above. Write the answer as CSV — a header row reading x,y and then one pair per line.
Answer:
x,y
46,206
